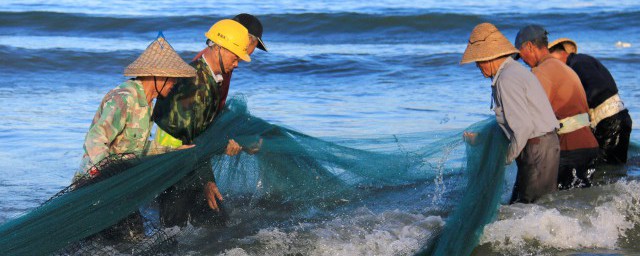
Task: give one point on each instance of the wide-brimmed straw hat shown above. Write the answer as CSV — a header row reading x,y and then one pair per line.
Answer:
x,y
160,59
486,43
569,45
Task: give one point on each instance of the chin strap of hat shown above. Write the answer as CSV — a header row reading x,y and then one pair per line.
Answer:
x,y
221,63
155,85
211,44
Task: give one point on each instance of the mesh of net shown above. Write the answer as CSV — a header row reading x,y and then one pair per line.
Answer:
x,y
479,203
291,168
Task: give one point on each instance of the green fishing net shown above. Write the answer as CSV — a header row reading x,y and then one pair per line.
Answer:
x,y
290,168
484,175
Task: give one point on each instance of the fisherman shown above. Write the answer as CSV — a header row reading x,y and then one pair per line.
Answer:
x,y
522,111
578,146
227,42
610,120
122,124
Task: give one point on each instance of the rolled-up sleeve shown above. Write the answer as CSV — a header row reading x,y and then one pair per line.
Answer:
x,y
105,129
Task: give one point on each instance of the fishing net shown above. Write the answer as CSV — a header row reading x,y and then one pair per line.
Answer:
x,y
484,176
290,168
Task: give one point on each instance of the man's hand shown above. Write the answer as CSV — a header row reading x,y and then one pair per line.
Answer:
x,y
470,137
233,148
186,146
211,192
254,148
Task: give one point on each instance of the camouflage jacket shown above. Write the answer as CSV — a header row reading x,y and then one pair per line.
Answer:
x,y
192,105
122,124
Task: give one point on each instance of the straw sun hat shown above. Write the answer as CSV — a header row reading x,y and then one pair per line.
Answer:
x,y
160,59
486,43
569,45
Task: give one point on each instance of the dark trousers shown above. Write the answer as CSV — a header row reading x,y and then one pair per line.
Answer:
x,y
613,135
186,202
576,167
179,206
537,169
129,228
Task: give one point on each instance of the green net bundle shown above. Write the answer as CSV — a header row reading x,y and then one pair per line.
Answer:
x,y
290,168
484,174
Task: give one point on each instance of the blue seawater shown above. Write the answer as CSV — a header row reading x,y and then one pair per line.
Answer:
x,y
334,70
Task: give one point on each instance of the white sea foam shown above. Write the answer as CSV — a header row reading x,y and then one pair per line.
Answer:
x,y
235,252
621,44
589,218
367,233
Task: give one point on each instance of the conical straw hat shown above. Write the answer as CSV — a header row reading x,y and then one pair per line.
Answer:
x,y
569,45
159,59
486,43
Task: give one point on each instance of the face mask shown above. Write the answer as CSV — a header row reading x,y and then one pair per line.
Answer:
x,y
218,77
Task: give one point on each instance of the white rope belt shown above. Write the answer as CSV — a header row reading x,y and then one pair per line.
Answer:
x,y
573,123
609,107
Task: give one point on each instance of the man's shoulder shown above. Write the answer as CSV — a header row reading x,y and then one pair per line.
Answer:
x,y
582,60
550,63
125,93
513,66
184,86
515,72
552,66
583,57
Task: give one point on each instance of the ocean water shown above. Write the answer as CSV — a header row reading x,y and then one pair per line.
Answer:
x,y
336,70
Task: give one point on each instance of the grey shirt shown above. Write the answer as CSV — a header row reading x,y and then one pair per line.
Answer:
x,y
522,108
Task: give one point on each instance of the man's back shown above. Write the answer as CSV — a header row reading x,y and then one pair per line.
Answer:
x,y
192,106
522,111
567,97
595,78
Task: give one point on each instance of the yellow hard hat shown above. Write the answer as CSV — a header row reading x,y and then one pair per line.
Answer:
x,y
232,36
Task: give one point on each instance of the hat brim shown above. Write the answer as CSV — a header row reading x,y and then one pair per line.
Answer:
x,y
261,45
569,45
160,59
470,56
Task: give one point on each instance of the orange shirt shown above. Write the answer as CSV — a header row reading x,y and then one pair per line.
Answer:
x,y
567,97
